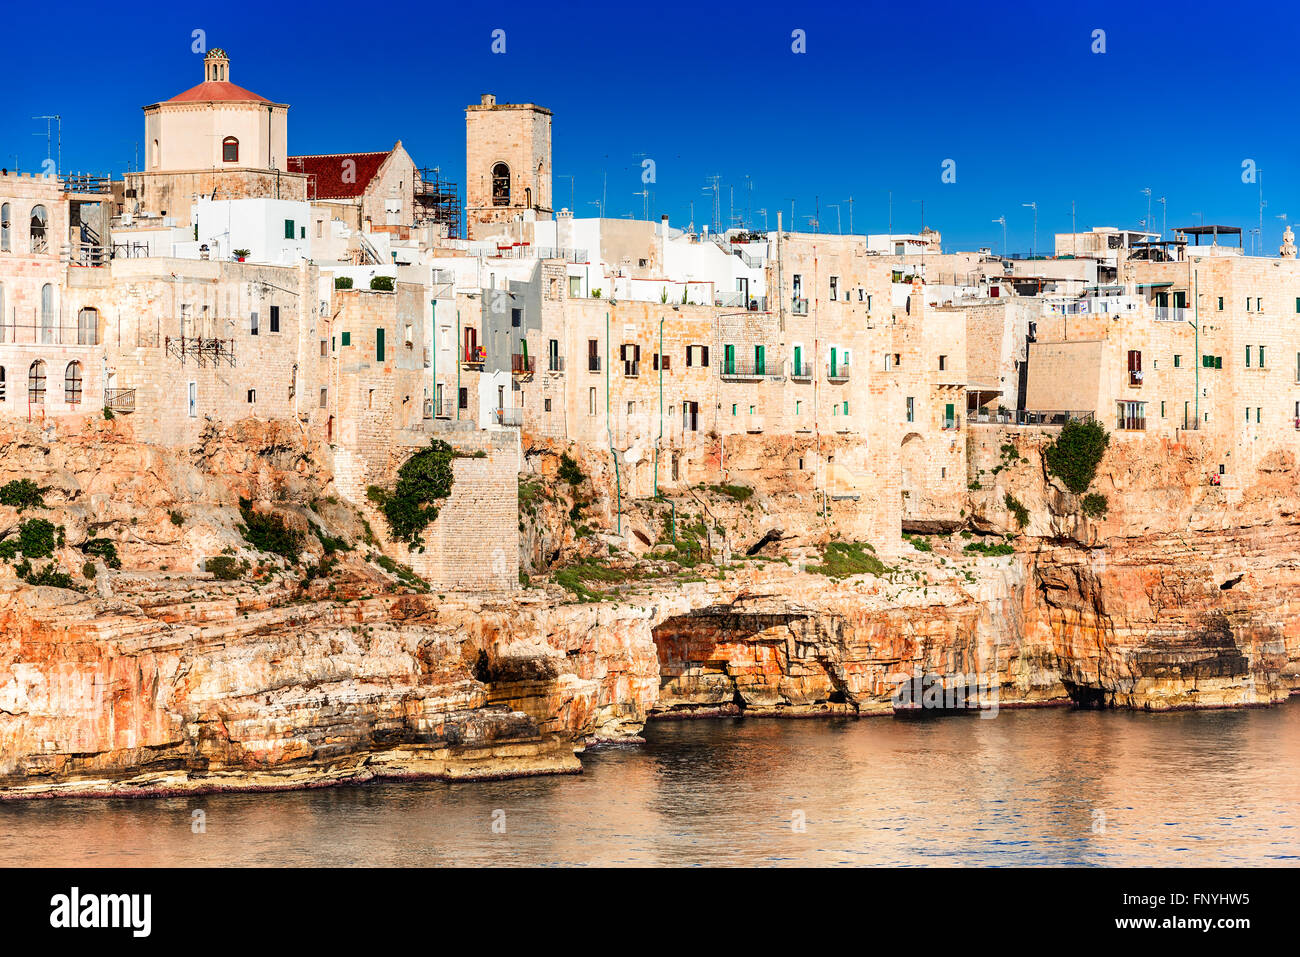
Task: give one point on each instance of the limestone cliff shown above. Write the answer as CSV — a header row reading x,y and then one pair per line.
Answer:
x,y
157,676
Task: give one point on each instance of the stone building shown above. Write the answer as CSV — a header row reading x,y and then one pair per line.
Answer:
x,y
507,166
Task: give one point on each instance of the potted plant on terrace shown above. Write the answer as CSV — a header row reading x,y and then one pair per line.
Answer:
x,y
241,254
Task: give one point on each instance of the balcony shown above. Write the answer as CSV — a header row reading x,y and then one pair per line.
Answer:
x,y
120,400
631,368
801,370
555,364
593,363
837,371
511,418
523,365
474,356
799,307
953,424
743,370
1045,417
1172,314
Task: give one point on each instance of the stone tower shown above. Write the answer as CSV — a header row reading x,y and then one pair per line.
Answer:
x,y
507,165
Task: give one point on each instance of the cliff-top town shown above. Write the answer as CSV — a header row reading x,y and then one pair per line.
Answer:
x,y
322,467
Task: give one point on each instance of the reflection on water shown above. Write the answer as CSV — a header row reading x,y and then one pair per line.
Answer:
x,y
1028,787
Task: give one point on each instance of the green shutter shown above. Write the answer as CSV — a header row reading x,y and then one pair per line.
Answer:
x,y
379,345
949,415
760,360
346,338
729,359
1218,362
798,360
288,229
834,358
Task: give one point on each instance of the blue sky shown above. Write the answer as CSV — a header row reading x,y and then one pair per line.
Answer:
x,y
882,97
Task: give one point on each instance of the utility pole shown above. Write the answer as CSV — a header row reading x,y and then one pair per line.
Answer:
x,y
839,223
1164,216
715,188
1003,220
1147,224
850,202
645,202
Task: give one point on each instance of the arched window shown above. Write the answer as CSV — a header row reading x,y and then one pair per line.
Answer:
x,y
2,383
72,383
230,150
500,185
88,327
156,153
4,228
47,313
36,383
39,221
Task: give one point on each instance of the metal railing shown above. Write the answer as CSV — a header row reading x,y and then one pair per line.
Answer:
x,y
742,369
48,334
514,418
120,400
631,368
1172,313
86,183
522,364
555,363
799,307
1045,417
802,370
474,355
837,371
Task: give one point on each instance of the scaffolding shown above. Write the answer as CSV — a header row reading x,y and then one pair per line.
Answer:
x,y
437,200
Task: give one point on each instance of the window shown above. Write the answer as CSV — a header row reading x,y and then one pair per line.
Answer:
x,y
409,335
546,405
370,398
949,416
798,409
1178,361
697,355
275,318
1134,367
2,385
1258,414
760,360
88,327
943,363
252,324
288,229
462,397
324,348
320,228
324,396
516,317
252,396
591,401
575,286
734,407
796,367
500,185
194,400
36,383
729,359
911,409
553,355
230,150
1247,357
47,313
379,344
1261,357
345,339
4,238
593,355
690,416
1221,303
39,241
835,285
72,383
1130,416
846,406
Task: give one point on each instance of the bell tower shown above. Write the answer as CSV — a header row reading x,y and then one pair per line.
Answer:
x,y
216,66
507,165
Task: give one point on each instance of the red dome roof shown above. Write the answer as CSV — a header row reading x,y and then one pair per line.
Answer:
x,y
217,91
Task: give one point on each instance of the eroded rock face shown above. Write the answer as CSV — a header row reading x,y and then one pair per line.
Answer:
x,y
156,677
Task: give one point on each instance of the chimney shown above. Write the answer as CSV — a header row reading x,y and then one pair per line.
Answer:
x,y
488,99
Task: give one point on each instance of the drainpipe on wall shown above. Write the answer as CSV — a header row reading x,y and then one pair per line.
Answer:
x,y
660,439
459,360
618,488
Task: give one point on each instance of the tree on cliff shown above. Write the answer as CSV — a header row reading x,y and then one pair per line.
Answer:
x,y
1076,453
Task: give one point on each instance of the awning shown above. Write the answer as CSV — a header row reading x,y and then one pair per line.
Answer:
x,y
1153,285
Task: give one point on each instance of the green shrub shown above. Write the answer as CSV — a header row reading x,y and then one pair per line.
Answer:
x,y
919,543
381,283
48,575
1076,453
225,568
1017,509
740,493
342,282
89,570
424,479
1095,505
22,494
108,413
569,470
176,517
103,548
843,559
268,533
997,548
36,538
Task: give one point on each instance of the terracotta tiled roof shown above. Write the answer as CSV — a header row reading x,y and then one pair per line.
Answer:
x,y
216,91
327,173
